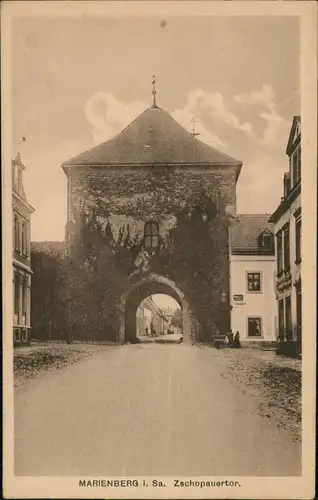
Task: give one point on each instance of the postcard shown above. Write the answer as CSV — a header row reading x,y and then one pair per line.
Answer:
x,y
159,271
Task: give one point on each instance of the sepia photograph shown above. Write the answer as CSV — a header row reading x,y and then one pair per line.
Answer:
x,y
159,301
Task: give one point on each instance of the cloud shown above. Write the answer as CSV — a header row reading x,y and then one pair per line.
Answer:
x,y
184,117
276,128
109,115
201,103
265,97
253,197
276,131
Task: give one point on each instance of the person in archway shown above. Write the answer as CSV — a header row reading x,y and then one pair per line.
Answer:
x,y
230,338
146,331
237,343
153,330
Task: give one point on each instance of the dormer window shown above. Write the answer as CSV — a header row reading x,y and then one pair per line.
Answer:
x,y
266,240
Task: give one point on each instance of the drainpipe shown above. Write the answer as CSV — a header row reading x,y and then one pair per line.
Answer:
x,y
230,275
68,236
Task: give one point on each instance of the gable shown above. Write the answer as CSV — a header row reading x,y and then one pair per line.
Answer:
x,y
266,239
297,132
294,134
266,232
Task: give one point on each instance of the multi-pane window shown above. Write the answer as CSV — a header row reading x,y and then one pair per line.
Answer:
x,y
24,295
24,238
151,236
279,241
296,165
16,291
298,240
254,327
253,282
288,318
17,334
286,248
298,313
16,233
281,320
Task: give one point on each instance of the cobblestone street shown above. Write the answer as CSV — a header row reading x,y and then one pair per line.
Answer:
x,y
154,409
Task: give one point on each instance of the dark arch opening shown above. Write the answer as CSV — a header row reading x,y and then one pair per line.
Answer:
x,y
136,296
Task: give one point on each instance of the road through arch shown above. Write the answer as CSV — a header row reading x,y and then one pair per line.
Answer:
x,y
152,285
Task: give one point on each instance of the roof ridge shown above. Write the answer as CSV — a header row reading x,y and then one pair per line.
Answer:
x,y
97,146
130,124
128,145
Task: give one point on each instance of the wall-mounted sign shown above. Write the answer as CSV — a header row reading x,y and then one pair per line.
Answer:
x,y
238,298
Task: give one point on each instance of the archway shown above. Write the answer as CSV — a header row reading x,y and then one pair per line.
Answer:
x,y
146,287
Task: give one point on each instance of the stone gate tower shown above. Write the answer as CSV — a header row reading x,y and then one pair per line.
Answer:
x,y
149,212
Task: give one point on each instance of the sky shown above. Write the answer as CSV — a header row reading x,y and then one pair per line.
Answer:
x,y
164,301
78,82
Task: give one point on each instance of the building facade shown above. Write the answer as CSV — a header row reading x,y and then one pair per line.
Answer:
x,y
252,263
169,313
158,320
21,259
150,315
287,222
149,212
140,321
144,317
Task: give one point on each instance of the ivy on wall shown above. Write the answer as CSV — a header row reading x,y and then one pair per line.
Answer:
x,y
49,306
79,292
194,256
196,259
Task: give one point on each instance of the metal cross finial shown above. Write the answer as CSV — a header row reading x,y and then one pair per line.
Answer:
x,y
194,133
154,104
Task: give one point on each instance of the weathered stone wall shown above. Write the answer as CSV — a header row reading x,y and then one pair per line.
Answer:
x,y
187,203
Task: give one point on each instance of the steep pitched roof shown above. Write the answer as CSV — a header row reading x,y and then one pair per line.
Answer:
x,y
153,138
244,234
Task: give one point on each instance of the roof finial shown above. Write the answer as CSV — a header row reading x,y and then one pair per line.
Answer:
x,y
154,104
194,133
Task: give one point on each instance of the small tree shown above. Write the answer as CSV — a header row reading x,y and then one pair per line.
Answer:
x,y
49,294
177,318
